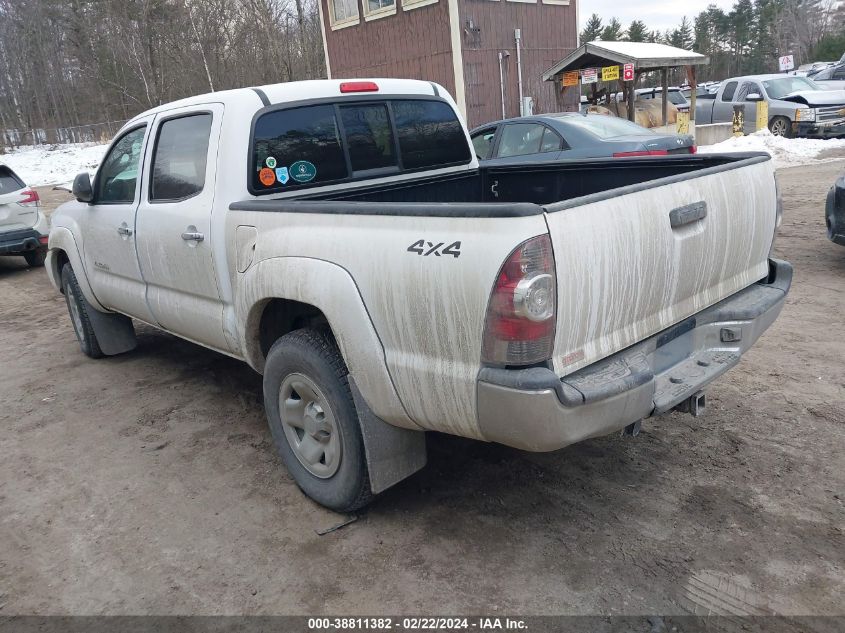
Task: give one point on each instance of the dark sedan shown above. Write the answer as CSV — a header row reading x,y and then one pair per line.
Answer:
x,y
835,212
572,135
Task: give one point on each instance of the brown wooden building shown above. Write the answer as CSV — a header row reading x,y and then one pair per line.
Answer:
x,y
468,46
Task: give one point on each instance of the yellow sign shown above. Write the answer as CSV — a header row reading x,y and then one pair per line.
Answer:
x,y
762,115
683,123
610,73
571,78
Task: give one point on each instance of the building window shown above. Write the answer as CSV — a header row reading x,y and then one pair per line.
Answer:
x,y
343,13
409,5
374,9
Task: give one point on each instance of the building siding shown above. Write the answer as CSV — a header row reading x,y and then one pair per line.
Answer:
x,y
408,45
416,44
549,33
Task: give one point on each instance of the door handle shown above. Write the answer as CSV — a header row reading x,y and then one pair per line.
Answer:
x,y
124,231
192,236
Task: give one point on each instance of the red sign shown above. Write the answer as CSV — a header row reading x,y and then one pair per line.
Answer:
x,y
628,72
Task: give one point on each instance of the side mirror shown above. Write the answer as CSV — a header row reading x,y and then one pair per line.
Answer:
x,y
754,96
81,189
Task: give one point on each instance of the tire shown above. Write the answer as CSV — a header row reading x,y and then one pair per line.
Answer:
x,y
781,126
77,308
325,453
35,258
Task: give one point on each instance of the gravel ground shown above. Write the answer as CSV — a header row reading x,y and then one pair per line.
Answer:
x,y
147,483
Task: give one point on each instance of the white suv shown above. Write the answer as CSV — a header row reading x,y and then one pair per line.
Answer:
x,y
23,227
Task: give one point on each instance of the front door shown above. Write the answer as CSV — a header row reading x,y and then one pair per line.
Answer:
x,y
175,245
108,226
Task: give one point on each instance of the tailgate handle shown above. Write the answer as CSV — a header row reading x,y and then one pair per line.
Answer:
x,y
688,214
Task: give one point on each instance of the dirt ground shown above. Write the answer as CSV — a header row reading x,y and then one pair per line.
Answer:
x,y
147,483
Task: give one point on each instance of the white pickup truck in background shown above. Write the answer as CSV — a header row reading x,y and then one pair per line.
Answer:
x,y
340,237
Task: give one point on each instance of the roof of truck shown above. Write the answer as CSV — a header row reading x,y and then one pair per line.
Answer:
x,y
300,91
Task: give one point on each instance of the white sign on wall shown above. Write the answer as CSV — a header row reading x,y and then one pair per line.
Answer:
x,y
787,62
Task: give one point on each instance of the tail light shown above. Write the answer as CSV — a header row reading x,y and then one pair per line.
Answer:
x,y
520,324
653,152
30,198
693,149
359,86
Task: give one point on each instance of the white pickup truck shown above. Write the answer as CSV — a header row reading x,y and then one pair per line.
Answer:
x,y
340,237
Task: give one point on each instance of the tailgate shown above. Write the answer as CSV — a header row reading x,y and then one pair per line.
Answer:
x,y
625,273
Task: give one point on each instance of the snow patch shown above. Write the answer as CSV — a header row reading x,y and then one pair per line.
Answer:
x,y
785,152
53,164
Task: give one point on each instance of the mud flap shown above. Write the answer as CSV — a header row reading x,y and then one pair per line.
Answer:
x,y
114,332
392,453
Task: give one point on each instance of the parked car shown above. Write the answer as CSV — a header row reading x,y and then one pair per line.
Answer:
x,y
571,135
832,78
341,238
797,106
835,212
23,227
676,96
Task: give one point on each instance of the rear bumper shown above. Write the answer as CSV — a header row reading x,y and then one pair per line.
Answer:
x,y
534,410
21,241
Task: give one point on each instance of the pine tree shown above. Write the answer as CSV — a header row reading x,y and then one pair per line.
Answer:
x,y
637,32
593,29
613,32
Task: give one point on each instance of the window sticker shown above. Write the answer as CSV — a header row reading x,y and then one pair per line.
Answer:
x,y
267,177
303,171
282,175
271,162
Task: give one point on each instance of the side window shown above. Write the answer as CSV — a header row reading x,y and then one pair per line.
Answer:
x,y
296,146
742,93
520,139
730,89
551,142
118,174
430,134
482,142
369,136
179,161
839,74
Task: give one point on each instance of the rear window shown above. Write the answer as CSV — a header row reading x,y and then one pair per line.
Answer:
x,y
9,181
320,144
430,134
606,126
297,146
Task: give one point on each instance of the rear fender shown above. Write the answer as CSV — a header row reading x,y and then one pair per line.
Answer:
x,y
331,289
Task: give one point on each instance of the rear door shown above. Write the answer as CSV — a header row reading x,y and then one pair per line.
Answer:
x,y
723,109
108,226
625,273
175,245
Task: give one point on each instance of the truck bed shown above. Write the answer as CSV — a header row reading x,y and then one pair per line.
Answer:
x,y
639,245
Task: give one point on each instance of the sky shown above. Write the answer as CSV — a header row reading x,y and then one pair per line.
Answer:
x,y
657,14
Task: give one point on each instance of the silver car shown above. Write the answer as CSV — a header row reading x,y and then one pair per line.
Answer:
x,y
23,227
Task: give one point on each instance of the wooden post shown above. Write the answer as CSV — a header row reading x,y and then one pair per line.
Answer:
x,y
632,115
664,82
693,82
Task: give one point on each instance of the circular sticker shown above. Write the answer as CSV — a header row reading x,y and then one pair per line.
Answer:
x,y
266,176
271,162
303,171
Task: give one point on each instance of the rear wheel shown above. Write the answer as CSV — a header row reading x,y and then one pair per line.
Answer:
x,y
314,421
77,307
35,258
780,126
